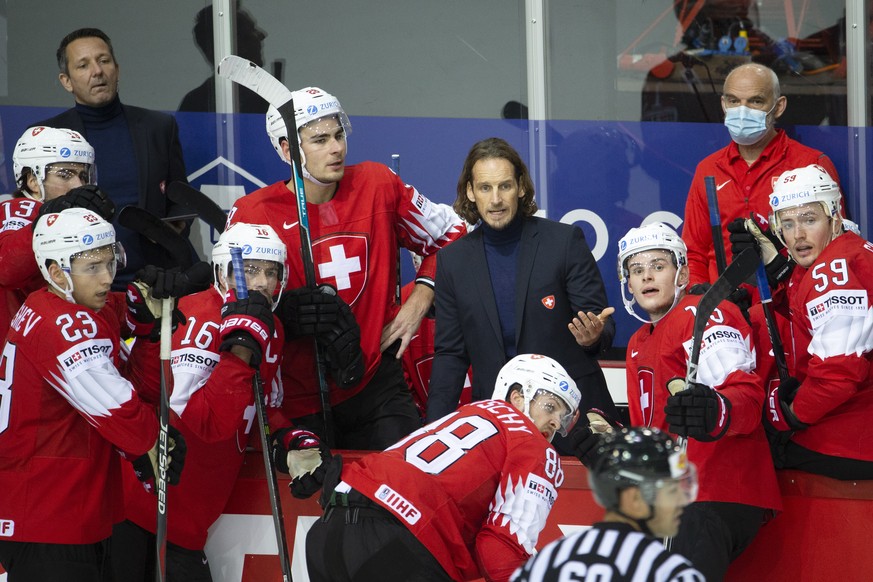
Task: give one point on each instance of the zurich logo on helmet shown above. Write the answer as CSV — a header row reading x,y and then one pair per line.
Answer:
x,y
564,386
312,110
247,249
87,239
623,245
774,201
65,152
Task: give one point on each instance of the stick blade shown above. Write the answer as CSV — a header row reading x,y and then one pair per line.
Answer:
x,y
250,75
205,207
153,228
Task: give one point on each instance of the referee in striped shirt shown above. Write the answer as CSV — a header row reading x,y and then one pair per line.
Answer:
x,y
643,480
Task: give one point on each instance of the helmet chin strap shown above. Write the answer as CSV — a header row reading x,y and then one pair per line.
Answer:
x,y
305,172
68,293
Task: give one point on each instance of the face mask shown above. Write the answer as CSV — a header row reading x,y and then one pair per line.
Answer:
x,y
745,125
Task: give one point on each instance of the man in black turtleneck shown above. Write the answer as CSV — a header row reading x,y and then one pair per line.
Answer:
x,y
516,284
137,150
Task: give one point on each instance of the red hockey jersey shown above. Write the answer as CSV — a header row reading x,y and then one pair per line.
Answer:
x,y
355,238
832,327
19,274
64,409
475,486
736,468
213,406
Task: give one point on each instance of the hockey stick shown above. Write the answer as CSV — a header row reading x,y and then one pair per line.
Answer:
x,y
159,232
242,292
205,207
395,167
147,224
715,223
248,74
772,329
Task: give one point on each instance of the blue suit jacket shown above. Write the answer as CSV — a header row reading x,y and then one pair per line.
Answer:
x,y
557,277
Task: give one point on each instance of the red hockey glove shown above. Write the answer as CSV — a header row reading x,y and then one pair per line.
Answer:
x,y
778,407
297,451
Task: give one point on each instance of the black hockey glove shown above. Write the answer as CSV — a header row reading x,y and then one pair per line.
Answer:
x,y
297,451
326,477
144,313
306,311
745,234
342,349
698,412
175,282
778,407
247,323
586,436
89,197
146,466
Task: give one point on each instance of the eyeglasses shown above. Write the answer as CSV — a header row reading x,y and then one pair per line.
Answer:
x,y
67,174
254,270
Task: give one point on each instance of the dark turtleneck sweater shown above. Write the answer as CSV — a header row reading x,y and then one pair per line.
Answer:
x,y
501,254
107,131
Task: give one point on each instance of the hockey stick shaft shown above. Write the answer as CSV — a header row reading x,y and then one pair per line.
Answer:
x,y
163,439
772,328
264,426
276,94
205,207
150,226
395,167
715,223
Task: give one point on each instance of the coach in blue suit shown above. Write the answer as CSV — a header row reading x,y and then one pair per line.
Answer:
x,y
137,150
516,284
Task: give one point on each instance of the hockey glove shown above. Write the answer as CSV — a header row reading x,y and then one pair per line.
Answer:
x,y
343,353
698,412
144,313
146,466
778,406
297,451
89,197
247,323
306,311
174,282
745,233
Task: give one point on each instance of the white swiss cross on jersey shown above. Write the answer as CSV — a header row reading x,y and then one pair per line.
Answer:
x,y
341,260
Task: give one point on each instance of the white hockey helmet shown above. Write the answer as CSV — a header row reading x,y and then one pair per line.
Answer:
x,y
310,104
258,242
41,146
535,373
803,186
654,236
59,237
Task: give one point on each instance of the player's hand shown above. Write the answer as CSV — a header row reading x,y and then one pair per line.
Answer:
x,y
745,233
89,197
144,312
778,411
699,412
587,327
408,319
327,473
174,282
308,311
146,466
246,323
297,451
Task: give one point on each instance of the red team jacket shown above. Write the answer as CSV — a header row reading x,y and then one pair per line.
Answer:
x,y
737,468
19,274
355,239
475,487
741,190
213,406
831,324
64,410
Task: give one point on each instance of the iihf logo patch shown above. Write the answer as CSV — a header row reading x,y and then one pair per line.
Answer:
x,y
548,301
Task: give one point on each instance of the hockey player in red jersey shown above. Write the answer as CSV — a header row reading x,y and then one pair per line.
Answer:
x,y
643,480
358,216
66,411
826,405
213,406
463,497
720,414
48,164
